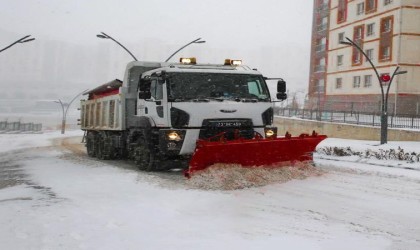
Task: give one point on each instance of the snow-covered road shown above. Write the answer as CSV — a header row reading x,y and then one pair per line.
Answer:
x,y
55,198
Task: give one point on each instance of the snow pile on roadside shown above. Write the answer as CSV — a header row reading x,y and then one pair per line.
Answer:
x,y
398,154
233,176
380,154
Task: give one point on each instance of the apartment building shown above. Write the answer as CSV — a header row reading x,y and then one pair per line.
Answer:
x,y
388,31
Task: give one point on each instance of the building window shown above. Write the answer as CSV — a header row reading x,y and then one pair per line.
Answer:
x,y
386,25
342,11
370,29
385,53
357,57
323,25
386,38
368,81
320,67
320,86
341,37
360,8
321,44
386,2
370,6
338,83
369,53
358,33
356,81
339,60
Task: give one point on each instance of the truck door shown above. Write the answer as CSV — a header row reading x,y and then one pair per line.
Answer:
x,y
156,107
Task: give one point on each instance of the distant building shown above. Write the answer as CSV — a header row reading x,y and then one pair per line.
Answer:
x,y
340,76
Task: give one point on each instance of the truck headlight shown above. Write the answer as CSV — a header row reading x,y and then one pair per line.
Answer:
x,y
171,140
174,136
270,132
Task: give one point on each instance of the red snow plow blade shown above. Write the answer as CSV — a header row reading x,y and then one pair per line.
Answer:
x,y
255,152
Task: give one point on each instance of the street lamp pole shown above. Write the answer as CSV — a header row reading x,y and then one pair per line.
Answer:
x,y
194,41
105,36
24,39
384,95
64,110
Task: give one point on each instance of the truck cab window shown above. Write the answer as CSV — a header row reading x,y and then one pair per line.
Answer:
x,y
156,89
254,88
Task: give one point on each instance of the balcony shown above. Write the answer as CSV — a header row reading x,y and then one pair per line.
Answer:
x,y
320,48
323,9
320,68
321,27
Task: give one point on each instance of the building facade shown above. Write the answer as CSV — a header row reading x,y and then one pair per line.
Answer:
x,y
388,31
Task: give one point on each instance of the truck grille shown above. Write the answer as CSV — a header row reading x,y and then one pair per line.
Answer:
x,y
212,127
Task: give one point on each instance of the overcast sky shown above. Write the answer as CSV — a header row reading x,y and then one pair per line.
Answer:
x,y
231,24
220,22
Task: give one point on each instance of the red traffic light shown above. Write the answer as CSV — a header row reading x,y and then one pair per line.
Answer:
x,y
385,77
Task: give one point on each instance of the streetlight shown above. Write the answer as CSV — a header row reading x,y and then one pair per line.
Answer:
x,y
105,36
194,41
384,95
63,121
24,39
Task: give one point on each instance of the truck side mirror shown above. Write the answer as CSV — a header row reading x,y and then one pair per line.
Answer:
x,y
281,86
281,90
282,96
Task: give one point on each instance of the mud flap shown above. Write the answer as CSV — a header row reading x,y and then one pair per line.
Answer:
x,y
267,152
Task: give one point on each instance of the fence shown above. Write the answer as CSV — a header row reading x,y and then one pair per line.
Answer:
x,y
359,118
19,127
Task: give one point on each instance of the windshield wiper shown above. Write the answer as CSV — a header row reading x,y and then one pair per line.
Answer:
x,y
176,99
249,99
200,100
219,99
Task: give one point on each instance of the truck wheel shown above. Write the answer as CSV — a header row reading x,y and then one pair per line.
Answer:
x,y
100,147
144,157
90,145
108,149
103,149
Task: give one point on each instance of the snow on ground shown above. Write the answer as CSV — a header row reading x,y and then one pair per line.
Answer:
x,y
64,201
9,142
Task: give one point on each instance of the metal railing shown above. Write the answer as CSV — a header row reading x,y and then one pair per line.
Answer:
x,y
352,117
19,127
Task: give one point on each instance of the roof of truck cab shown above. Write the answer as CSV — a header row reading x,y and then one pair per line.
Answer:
x,y
205,68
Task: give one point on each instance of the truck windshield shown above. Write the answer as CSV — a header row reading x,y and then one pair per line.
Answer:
x,y
216,86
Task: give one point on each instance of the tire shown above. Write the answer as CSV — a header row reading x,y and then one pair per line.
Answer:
x,y
144,155
103,147
90,145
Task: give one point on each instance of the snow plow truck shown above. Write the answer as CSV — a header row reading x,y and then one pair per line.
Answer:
x,y
200,114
